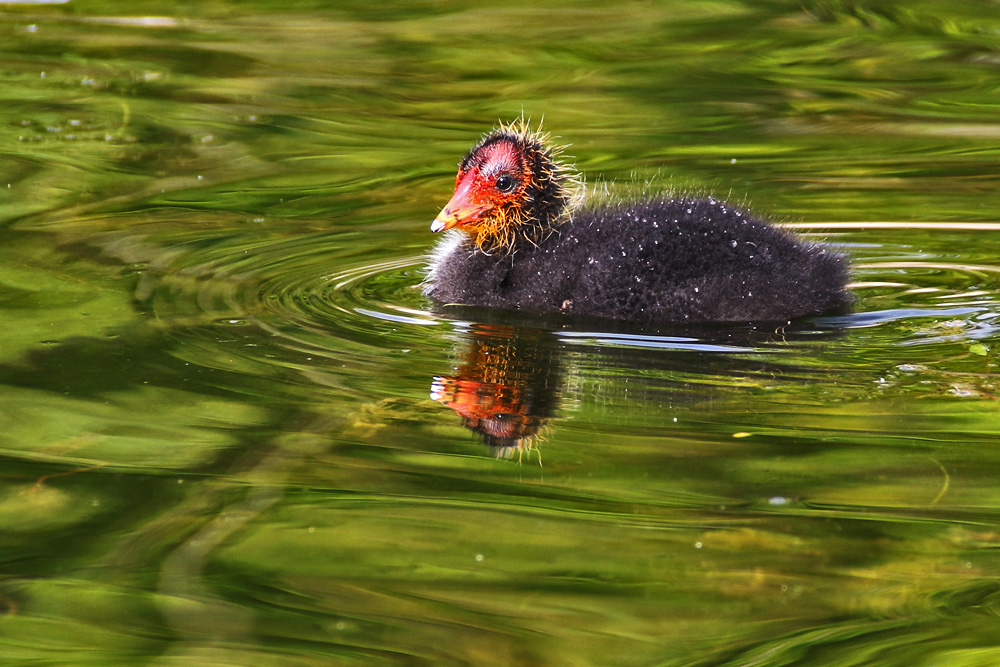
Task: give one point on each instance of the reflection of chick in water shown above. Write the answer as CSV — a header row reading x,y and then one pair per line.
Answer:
x,y
509,381
505,386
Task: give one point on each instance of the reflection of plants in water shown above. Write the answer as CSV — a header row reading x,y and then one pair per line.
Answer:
x,y
291,489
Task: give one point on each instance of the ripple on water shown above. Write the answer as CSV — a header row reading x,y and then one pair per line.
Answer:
x,y
335,312
929,301
287,289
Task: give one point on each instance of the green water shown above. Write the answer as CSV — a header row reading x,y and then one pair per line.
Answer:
x,y
217,436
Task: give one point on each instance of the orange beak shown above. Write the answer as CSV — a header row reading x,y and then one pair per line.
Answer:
x,y
460,210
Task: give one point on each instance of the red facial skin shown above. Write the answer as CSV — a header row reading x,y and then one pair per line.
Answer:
x,y
489,194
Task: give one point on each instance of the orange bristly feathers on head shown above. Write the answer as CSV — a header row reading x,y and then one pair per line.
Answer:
x,y
539,193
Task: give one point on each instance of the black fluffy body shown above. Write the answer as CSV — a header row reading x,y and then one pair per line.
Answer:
x,y
662,261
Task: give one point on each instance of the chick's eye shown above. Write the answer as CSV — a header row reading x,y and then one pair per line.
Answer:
x,y
505,183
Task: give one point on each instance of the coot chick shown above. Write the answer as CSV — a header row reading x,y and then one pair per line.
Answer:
x,y
522,239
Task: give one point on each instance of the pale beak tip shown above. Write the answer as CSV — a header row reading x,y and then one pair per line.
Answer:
x,y
445,220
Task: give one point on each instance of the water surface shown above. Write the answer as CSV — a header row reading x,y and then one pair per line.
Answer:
x,y
234,432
